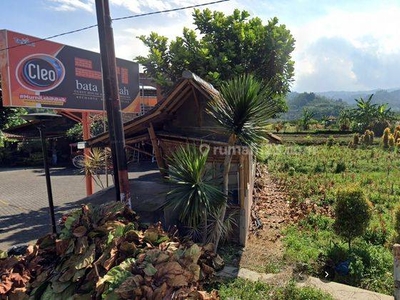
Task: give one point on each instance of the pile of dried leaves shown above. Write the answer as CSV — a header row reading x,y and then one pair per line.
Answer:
x,y
100,253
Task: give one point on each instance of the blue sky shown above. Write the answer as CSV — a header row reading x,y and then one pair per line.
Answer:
x,y
345,45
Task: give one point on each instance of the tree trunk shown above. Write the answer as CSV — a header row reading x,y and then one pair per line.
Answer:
x,y
227,168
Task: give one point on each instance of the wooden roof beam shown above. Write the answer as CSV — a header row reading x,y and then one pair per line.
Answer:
x,y
157,151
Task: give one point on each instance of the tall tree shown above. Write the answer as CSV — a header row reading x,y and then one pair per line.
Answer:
x,y
227,46
242,109
368,115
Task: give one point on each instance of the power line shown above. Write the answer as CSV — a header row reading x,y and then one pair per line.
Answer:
x,y
116,19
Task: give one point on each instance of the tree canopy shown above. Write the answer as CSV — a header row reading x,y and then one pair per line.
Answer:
x,y
368,115
9,116
223,47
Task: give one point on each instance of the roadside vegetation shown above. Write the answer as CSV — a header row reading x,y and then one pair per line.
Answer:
x,y
245,289
317,179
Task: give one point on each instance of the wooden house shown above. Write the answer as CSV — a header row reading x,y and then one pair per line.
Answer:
x,y
180,118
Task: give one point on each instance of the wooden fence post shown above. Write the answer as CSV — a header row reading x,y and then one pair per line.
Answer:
x,y
396,271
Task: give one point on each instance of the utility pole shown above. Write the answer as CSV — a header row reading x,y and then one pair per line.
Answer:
x,y
112,102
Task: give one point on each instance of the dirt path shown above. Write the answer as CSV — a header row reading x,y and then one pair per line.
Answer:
x,y
264,250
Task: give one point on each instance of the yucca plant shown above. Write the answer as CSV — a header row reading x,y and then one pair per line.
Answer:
x,y
94,164
196,193
242,108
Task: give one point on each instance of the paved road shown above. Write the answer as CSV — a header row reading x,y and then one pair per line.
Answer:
x,y
24,213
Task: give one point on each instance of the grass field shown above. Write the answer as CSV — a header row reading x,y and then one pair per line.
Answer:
x,y
313,172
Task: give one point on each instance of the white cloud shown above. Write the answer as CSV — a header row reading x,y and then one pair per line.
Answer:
x,y
348,50
71,5
127,44
340,45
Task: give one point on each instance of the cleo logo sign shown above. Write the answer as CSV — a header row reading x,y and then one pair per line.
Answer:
x,y
40,72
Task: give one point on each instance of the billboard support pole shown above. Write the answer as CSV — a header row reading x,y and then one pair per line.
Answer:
x,y
111,98
86,135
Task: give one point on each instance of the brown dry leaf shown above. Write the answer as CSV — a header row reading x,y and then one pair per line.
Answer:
x,y
111,225
169,268
79,231
160,292
162,257
206,296
127,247
218,263
147,292
151,235
8,263
178,281
195,270
132,236
61,246
140,258
5,285
209,247
130,288
207,269
32,250
20,280
81,245
87,258
18,294
34,264
170,247
110,262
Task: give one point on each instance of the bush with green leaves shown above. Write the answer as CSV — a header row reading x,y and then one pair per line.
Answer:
x,y
195,194
397,223
352,213
242,289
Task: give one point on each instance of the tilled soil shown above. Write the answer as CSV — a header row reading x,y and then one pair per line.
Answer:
x,y
271,212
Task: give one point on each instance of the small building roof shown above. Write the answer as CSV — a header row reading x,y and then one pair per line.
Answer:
x,y
186,88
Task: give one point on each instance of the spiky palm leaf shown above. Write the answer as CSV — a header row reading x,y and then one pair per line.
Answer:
x,y
94,164
195,193
243,109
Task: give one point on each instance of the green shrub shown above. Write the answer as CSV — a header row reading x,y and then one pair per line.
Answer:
x,y
397,222
316,221
369,265
242,289
376,236
330,141
340,167
352,213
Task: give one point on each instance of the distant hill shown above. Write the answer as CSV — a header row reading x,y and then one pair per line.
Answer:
x,y
391,97
320,106
331,103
